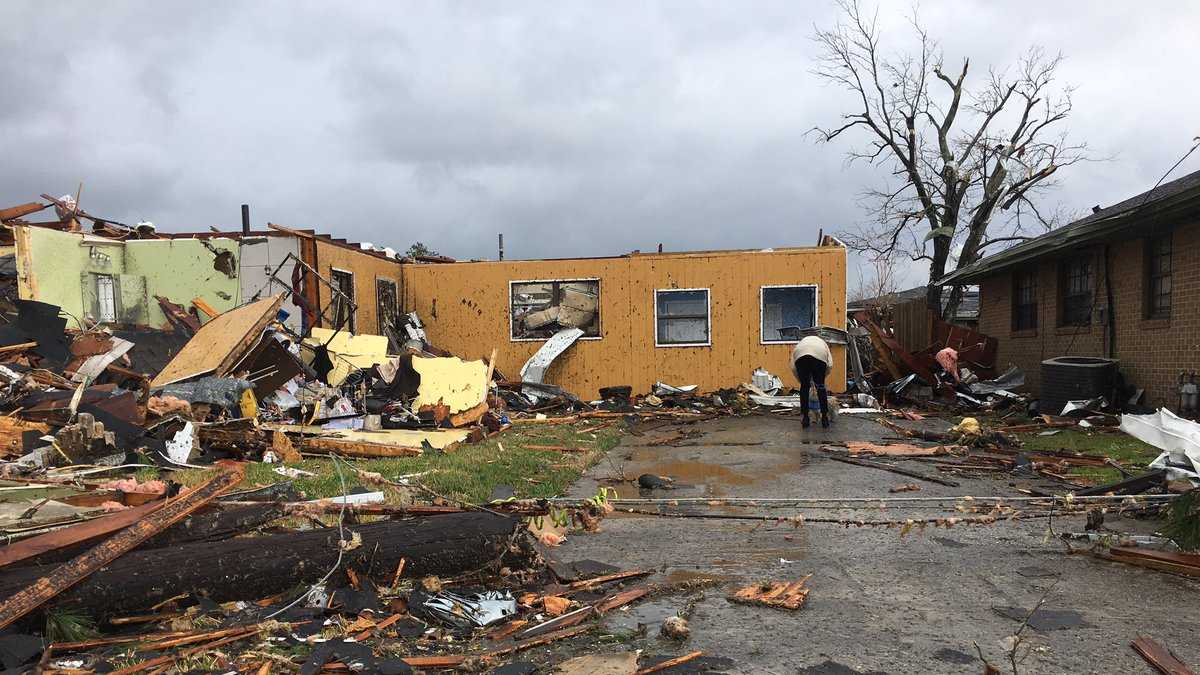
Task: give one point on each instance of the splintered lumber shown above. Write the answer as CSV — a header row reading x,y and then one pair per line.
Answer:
x,y
1159,657
894,469
35,592
247,568
778,594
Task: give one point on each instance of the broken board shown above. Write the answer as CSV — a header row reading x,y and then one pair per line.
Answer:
x,y
220,343
777,594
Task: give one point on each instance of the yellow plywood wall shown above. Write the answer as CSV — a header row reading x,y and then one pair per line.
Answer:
x,y
367,269
465,307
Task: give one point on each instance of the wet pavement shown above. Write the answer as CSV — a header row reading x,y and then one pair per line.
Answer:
x,y
880,603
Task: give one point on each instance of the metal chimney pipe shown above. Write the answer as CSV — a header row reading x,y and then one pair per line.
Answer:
x,y
245,220
502,246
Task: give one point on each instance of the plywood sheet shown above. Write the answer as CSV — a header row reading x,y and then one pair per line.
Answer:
x,y
220,343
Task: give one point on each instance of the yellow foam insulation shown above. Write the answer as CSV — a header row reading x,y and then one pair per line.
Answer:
x,y
459,384
349,352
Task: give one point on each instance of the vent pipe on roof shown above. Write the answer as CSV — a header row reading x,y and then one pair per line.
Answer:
x,y
501,246
245,220
1096,209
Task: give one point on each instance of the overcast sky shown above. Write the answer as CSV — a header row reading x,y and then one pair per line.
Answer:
x,y
576,129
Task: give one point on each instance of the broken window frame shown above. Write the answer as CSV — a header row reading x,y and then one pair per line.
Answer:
x,y
383,316
707,316
1076,291
1025,301
339,301
512,323
1159,250
762,312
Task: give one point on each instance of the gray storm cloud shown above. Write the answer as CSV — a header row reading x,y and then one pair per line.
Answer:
x,y
575,128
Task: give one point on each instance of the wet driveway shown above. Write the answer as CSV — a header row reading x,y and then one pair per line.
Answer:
x,y
880,603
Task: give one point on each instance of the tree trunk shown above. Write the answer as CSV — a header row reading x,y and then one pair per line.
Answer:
x,y
250,568
937,270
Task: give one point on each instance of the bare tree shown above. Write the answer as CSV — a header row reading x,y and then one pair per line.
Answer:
x,y
965,163
876,279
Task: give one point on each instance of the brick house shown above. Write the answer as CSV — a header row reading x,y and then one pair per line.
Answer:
x,y
1123,283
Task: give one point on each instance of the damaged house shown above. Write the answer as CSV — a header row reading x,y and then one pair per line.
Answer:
x,y
141,277
1120,284
705,318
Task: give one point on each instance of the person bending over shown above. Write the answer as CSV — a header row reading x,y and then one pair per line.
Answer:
x,y
811,360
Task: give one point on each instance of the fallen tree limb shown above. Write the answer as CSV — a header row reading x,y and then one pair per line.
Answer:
x,y
258,567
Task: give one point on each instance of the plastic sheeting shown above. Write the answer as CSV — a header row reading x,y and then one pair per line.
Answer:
x,y
1178,438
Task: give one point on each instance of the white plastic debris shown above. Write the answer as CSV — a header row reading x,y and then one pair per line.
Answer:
x,y
179,447
1178,438
765,381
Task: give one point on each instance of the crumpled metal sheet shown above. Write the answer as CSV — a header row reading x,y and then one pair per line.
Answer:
x,y
535,368
1177,437
1006,381
471,611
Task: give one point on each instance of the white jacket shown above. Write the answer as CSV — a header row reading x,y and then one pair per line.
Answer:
x,y
815,347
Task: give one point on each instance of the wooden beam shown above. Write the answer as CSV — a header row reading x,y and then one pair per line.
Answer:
x,y
67,575
203,306
1160,657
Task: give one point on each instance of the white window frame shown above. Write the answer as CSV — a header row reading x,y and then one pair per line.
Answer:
x,y
599,306
762,338
707,310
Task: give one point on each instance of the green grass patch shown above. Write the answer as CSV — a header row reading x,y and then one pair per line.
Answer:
x,y
1133,454
469,472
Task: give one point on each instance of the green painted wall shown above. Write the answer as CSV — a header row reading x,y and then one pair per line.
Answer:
x,y
61,268
183,269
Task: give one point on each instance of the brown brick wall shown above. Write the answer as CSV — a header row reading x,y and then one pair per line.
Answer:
x,y
1152,352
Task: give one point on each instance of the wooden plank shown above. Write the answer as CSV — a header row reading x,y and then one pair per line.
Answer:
x,y
1187,564
17,348
220,343
203,306
64,576
670,663
1158,656
21,210
52,541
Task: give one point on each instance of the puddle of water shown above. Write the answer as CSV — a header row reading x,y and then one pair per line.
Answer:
x,y
682,576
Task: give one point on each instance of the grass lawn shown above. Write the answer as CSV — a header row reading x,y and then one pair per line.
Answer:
x,y
469,472
1133,454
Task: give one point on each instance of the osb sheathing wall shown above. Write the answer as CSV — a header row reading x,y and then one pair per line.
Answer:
x,y
465,307
366,268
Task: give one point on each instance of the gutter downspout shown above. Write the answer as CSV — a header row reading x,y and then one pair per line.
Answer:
x,y
1112,310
